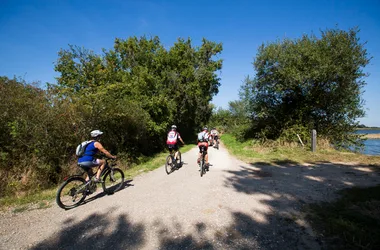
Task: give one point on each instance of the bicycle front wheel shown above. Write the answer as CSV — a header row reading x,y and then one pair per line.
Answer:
x,y
169,164
113,181
179,160
71,193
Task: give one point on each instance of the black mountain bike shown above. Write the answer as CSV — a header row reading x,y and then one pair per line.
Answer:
x,y
173,164
74,189
202,162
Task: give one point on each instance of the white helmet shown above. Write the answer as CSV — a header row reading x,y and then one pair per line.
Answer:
x,y
96,133
174,127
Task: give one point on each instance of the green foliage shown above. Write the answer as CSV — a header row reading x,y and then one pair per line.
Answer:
x,y
34,139
310,82
133,93
167,86
290,134
232,120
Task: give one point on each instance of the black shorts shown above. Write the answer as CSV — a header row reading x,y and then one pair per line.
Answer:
x,y
202,148
172,147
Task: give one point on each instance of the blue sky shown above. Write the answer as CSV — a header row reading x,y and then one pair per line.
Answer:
x,y
32,32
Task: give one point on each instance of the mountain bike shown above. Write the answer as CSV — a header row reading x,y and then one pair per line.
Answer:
x,y
202,162
75,188
173,164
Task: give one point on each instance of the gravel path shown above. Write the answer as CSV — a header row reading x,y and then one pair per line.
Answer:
x,y
234,206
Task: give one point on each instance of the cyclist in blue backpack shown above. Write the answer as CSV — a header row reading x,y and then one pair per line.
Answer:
x,y
88,161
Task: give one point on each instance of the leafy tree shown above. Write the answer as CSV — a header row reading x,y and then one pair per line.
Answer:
x,y
311,83
167,86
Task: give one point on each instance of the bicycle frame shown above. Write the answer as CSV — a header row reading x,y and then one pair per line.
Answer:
x,y
112,181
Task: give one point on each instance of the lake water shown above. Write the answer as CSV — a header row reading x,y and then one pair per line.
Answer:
x,y
371,146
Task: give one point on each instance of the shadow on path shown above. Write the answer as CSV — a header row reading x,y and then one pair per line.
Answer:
x,y
286,187
97,231
127,183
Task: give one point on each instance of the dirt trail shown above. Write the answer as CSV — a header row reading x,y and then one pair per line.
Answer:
x,y
234,206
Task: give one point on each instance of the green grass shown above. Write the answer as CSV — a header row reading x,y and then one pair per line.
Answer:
x,y
252,151
45,198
18,204
352,222
150,163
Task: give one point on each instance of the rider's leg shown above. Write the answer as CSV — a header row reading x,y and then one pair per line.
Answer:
x,y
102,164
176,152
87,167
170,147
89,174
206,156
199,153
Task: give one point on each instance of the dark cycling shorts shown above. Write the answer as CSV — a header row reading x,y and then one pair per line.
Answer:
x,y
88,165
172,147
202,145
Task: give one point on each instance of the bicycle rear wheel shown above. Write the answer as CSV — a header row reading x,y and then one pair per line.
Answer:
x,y
71,193
113,181
169,164
202,167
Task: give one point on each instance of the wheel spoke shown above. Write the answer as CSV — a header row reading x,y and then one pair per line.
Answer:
x,y
113,181
169,164
71,193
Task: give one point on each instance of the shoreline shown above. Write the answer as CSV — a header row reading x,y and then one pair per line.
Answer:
x,y
371,136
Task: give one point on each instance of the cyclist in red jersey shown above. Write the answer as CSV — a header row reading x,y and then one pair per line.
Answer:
x,y
172,140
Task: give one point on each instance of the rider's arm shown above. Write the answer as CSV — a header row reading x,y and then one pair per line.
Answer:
x,y
181,140
103,150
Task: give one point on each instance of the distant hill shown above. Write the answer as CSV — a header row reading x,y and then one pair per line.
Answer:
x,y
362,126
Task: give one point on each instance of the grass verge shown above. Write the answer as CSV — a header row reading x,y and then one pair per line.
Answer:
x,y
45,198
352,222
252,151
147,164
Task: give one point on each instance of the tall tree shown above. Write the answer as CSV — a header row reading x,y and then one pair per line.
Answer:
x,y
312,82
169,85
